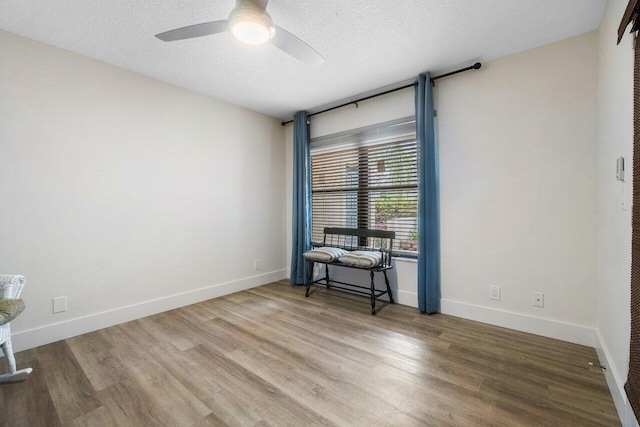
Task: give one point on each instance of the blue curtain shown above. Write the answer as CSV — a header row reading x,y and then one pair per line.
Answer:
x,y
428,208
301,218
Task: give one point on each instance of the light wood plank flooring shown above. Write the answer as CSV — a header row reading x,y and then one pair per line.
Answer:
x,y
270,356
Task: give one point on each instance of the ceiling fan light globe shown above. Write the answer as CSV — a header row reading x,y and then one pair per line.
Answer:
x,y
250,25
251,32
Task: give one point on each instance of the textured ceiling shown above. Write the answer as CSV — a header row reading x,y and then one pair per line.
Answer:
x,y
367,44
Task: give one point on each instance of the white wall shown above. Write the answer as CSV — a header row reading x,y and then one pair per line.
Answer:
x,y
518,187
128,195
518,182
615,138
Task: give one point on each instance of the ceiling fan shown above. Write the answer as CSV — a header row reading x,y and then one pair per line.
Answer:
x,y
250,23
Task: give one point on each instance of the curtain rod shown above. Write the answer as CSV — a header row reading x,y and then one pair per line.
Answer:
x,y
475,66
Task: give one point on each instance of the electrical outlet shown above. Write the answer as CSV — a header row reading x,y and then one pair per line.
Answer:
x,y
257,264
494,292
59,304
537,299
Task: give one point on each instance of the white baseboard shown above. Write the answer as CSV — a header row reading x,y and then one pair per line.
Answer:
x,y
577,334
24,340
406,298
615,383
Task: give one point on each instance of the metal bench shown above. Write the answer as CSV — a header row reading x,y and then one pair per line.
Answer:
x,y
357,239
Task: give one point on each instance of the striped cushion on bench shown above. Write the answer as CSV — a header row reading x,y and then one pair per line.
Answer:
x,y
363,259
324,254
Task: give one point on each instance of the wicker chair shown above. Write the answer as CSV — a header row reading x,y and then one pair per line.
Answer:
x,y
10,289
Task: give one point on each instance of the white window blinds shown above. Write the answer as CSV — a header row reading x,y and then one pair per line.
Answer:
x,y
367,178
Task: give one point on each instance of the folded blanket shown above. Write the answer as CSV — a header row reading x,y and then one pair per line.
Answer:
x,y
363,259
10,309
324,254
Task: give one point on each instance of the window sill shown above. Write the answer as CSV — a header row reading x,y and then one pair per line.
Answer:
x,y
406,259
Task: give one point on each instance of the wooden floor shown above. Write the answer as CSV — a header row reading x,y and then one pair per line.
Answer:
x,y
269,356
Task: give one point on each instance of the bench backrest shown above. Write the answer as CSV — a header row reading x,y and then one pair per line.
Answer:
x,y
361,239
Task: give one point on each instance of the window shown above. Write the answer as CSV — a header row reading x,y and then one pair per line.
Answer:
x,y
367,178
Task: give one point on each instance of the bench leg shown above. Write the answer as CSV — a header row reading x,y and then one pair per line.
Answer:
x,y
373,295
386,280
326,275
309,279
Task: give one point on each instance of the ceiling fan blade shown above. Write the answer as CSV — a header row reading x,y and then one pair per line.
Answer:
x,y
197,30
290,44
